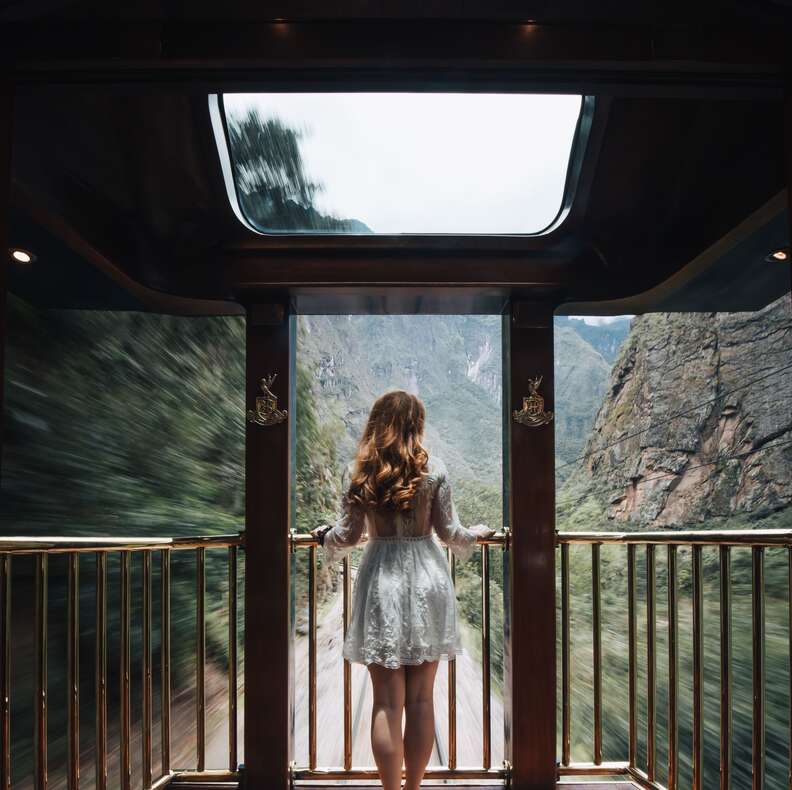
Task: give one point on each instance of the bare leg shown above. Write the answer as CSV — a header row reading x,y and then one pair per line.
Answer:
x,y
419,732
386,723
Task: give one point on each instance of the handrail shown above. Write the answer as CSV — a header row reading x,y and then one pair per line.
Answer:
x,y
101,548
694,537
57,545
756,541
307,541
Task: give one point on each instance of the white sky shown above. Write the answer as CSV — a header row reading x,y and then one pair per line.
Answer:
x,y
431,162
599,320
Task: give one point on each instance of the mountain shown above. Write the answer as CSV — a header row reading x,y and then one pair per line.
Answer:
x,y
454,363
605,338
696,424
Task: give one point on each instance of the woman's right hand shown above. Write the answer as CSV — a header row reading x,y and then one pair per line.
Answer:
x,y
319,533
482,531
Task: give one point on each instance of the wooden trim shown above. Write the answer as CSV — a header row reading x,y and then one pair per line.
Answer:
x,y
788,159
268,670
6,138
532,660
400,54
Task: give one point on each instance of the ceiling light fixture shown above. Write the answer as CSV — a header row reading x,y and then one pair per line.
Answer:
x,y
22,256
781,255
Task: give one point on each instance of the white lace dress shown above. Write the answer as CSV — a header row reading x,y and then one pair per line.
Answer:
x,y
403,599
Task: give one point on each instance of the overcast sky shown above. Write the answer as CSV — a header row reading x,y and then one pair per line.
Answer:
x,y
431,162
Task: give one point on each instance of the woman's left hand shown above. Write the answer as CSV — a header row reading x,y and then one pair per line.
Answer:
x,y
482,530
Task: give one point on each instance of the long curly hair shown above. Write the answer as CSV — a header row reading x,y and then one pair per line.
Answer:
x,y
390,461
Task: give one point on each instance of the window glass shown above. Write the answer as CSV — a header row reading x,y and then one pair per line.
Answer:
x,y
392,163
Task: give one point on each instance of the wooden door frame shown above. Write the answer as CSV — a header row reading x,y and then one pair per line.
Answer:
x,y
268,517
529,471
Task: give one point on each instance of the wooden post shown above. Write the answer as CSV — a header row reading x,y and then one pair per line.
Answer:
x,y
788,160
269,448
530,649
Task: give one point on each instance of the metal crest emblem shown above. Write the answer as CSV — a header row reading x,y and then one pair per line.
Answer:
x,y
267,411
533,412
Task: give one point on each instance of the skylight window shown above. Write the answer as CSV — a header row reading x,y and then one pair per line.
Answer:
x,y
397,163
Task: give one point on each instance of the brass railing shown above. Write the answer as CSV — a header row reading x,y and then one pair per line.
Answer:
x,y
348,771
756,541
41,549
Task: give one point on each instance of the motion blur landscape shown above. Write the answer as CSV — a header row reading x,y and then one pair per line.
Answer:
x,y
132,424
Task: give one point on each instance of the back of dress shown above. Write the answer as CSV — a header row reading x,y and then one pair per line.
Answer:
x,y
404,603
433,508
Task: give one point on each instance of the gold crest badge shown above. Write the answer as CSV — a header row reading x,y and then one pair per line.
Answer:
x,y
533,412
267,411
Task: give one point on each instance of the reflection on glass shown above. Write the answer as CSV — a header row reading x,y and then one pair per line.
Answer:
x,y
389,163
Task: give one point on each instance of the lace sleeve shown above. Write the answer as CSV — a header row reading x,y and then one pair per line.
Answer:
x,y
347,531
460,540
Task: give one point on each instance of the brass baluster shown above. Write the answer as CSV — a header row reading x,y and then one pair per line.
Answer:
x,y
347,588
486,724
725,668
651,663
147,691
566,719
165,659
673,670
232,659
698,668
125,767
452,702
312,657
200,656
758,629
5,675
101,670
73,670
632,679
41,671
596,621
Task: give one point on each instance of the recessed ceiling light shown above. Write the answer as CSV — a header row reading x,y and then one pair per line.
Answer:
x,y
778,255
22,256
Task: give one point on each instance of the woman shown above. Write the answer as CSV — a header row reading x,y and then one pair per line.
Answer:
x,y
404,608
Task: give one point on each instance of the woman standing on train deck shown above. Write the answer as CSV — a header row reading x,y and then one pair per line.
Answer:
x,y
404,606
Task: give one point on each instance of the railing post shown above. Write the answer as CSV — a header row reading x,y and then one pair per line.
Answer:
x,y
268,492
124,679
632,652
596,621
5,672
101,671
758,629
566,684
165,658
73,671
452,688
651,663
41,671
673,669
698,670
200,656
232,658
530,655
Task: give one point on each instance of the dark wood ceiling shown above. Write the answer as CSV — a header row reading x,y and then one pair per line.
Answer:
x,y
116,173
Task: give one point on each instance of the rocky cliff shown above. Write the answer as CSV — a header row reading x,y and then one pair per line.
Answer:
x,y
696,425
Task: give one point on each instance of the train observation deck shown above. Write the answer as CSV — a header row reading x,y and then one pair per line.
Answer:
x,y
603,187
